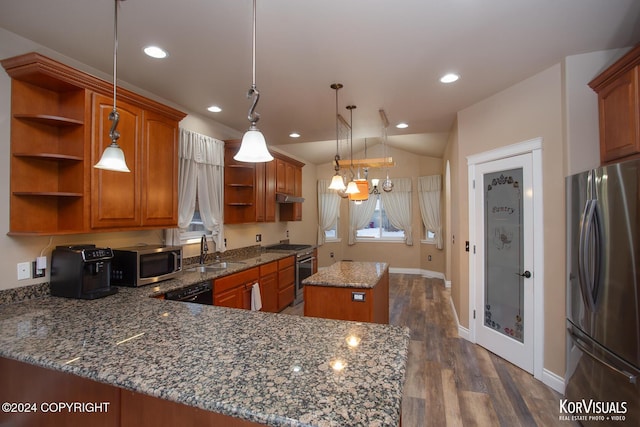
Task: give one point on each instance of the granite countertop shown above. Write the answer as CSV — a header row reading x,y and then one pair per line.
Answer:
x,y
236,264
347,274
268,368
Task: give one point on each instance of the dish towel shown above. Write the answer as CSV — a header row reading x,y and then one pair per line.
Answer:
x,y
256,300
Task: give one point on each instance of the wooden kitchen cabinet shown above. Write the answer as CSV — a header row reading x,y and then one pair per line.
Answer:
x,y
148,195
250,188
265,174
58,124
48,130
269,191
293,211
286,282
618,90
115,196
234,290
269,286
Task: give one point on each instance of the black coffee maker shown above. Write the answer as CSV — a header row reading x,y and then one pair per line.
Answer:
x,y
81,271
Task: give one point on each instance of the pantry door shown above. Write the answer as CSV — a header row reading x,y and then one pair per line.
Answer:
x,y
503,250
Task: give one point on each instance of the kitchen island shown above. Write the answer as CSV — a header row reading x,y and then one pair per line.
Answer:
x,y
235,367
348,290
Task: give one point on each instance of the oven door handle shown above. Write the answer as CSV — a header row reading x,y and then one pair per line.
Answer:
x,y
194,297
306,260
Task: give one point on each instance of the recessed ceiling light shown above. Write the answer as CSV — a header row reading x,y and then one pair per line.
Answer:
x,y
449,78
214,109
294,135
402,125
155,52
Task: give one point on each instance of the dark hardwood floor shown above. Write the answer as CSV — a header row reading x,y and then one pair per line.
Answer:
x,y
452,382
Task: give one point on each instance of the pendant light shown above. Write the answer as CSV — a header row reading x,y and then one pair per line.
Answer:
x,y
253,148
359,187
352,187
113,157
387,184
337,182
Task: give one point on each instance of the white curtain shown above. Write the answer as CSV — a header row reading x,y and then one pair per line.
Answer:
x,y
328,208
359,216
429,189
397,205
201,170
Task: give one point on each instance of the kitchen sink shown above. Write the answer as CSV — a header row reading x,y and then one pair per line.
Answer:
x,y
216,266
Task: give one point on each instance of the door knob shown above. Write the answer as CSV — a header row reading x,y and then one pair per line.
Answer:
x,y
526,274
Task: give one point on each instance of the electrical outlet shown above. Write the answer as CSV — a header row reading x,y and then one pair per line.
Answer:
x,y
429,258
35,271
258,237
287,233
24,270
331,254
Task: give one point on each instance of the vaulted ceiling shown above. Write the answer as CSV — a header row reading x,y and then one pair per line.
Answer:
x,y
387,54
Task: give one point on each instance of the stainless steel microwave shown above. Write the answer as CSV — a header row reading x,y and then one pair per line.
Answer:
x,y
143,265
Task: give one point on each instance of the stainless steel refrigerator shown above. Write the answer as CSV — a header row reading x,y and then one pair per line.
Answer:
x,y
603,295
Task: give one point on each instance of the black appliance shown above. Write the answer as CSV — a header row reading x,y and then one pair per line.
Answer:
x,y
199,293
305,264
81,271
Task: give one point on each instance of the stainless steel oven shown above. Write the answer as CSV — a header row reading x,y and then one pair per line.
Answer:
x,y
305,265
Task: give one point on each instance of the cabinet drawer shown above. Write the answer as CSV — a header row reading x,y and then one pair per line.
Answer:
x,y
286,277
234,280
270,268
285,297
286,262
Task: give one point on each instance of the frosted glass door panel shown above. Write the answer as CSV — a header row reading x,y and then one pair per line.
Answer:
x,y
504,296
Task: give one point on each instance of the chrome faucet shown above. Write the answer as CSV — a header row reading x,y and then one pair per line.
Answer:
x,y
203,248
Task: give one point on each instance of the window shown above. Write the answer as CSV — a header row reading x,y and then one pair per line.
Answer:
x,y
429,237
379,226
331,234
194,231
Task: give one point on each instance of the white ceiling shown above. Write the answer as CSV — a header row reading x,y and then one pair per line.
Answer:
x,y
387,53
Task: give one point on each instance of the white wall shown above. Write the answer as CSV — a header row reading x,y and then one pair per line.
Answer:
x,y
582,137
529,109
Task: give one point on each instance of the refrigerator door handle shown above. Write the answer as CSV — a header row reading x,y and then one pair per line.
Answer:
x,y
588,261
584,347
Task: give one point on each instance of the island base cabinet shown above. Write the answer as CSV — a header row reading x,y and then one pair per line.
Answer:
x,y
142,410
90,403
347,303
43,390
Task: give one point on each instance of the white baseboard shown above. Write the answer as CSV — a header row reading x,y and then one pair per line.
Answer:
x,y
553,380
424,273
432,274
462,331
405,270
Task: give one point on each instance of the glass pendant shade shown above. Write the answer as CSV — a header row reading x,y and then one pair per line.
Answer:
x,y
113,159
352,188
337,183
363,190
253,148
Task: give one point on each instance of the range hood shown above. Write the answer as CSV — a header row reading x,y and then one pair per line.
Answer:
x,y
287,198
